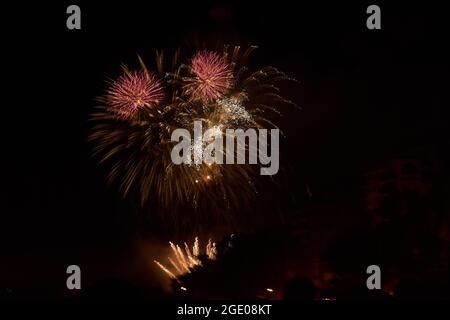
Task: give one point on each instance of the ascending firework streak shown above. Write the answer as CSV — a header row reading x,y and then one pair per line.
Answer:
x,y
184,261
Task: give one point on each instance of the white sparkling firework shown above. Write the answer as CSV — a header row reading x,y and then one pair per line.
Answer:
x,y
234,109
198,144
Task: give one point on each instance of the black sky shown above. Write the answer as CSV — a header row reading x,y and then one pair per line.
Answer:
x,y
365,94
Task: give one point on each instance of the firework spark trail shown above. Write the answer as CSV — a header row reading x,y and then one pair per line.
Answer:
x,y
208,247
178,257
132,91
192,261
167,271
174,249
183,265
195,262
188,251
212,76
211,250
196,249
176,266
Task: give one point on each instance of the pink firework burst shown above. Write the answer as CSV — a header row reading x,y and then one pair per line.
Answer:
x,y
132,91
212,76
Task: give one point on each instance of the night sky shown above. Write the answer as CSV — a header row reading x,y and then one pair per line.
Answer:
x,y
365,95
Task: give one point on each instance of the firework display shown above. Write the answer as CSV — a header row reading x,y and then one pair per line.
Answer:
x,y
183,261
211,77
132,127
151,152
133,91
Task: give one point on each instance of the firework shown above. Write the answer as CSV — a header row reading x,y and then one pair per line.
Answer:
x,y
196,249
133,91
211,250
234,109
183,261
167,271
133,125
199,145
211,77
